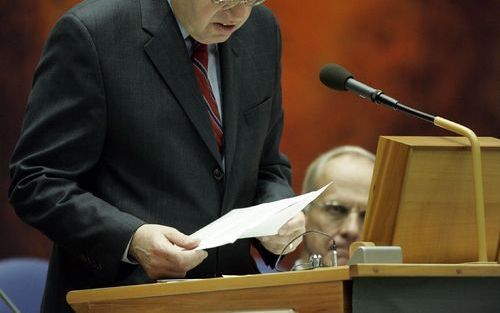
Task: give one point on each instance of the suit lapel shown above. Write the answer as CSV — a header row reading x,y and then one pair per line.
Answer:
x,y
169,55
231,74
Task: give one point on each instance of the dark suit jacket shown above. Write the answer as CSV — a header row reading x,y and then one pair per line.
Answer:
x,y
116,135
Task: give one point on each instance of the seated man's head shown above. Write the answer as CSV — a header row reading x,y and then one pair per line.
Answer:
x,y
340,210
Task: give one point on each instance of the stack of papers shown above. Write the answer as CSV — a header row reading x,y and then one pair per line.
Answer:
x,y
256,221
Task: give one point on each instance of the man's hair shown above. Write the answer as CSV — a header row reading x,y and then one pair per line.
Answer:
x,y
316,166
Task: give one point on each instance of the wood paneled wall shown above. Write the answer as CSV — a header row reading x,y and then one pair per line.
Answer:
x,y
437,56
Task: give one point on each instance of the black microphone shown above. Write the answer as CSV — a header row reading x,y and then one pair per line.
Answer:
x,y
336,77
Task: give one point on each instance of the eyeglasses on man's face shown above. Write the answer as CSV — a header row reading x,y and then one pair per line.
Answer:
x,y
337,210
226,4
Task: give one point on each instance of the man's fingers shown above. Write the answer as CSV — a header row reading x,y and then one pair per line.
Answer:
x,y
174,263
161,251
178,263
188,260
289,231
180,239
297,242
195,257
294,226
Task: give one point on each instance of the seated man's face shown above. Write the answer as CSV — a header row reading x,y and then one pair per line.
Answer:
x,y
208,22
340,210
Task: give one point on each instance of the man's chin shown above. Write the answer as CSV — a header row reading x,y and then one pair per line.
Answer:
x,y
210,37
342,261
216,34
215,39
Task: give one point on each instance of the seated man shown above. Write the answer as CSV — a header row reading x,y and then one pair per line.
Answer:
x,y
340,210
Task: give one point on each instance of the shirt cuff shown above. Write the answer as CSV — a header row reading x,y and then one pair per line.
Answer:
x,y
125,257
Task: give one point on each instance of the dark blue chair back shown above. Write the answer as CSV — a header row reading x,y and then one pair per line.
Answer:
x,y
22,280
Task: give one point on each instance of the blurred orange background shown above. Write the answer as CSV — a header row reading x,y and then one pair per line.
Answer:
x,y
441,57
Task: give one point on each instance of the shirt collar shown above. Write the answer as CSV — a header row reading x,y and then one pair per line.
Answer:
x,y
212,48
184,32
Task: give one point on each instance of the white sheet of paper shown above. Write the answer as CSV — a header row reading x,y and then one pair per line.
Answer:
x,y
260,220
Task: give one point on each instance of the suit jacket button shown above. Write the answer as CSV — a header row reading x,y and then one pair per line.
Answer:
x,y
218,174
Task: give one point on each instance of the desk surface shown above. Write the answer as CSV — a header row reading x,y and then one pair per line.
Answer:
x,y
425,270
340,273
319,290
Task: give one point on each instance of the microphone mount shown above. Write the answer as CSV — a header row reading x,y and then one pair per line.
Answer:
x,y
336,77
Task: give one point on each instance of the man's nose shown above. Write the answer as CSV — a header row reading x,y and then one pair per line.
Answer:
x,y
350,226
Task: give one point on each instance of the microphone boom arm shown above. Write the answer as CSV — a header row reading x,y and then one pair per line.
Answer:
x,y
478,181
377,96
336,77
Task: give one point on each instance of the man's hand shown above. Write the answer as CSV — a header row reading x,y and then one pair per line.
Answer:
x,y
160,251
293,228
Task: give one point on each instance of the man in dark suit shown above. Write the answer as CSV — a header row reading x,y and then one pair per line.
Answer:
x,y
118,158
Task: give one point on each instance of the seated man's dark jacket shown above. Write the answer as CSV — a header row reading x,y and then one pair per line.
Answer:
x,y
116,134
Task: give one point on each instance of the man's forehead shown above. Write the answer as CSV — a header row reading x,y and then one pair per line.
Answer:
x,y
351,181
345,171
345,196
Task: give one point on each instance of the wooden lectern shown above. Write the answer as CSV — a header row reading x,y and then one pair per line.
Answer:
x,y
322,290
421,199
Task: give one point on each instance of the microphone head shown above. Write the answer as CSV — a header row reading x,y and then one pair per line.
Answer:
x,y
334,76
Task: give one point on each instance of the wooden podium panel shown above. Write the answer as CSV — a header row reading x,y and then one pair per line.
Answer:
x,y
422,198
429,288
425,270
321,290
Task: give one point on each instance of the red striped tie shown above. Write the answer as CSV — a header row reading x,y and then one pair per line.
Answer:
x,y
200,64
